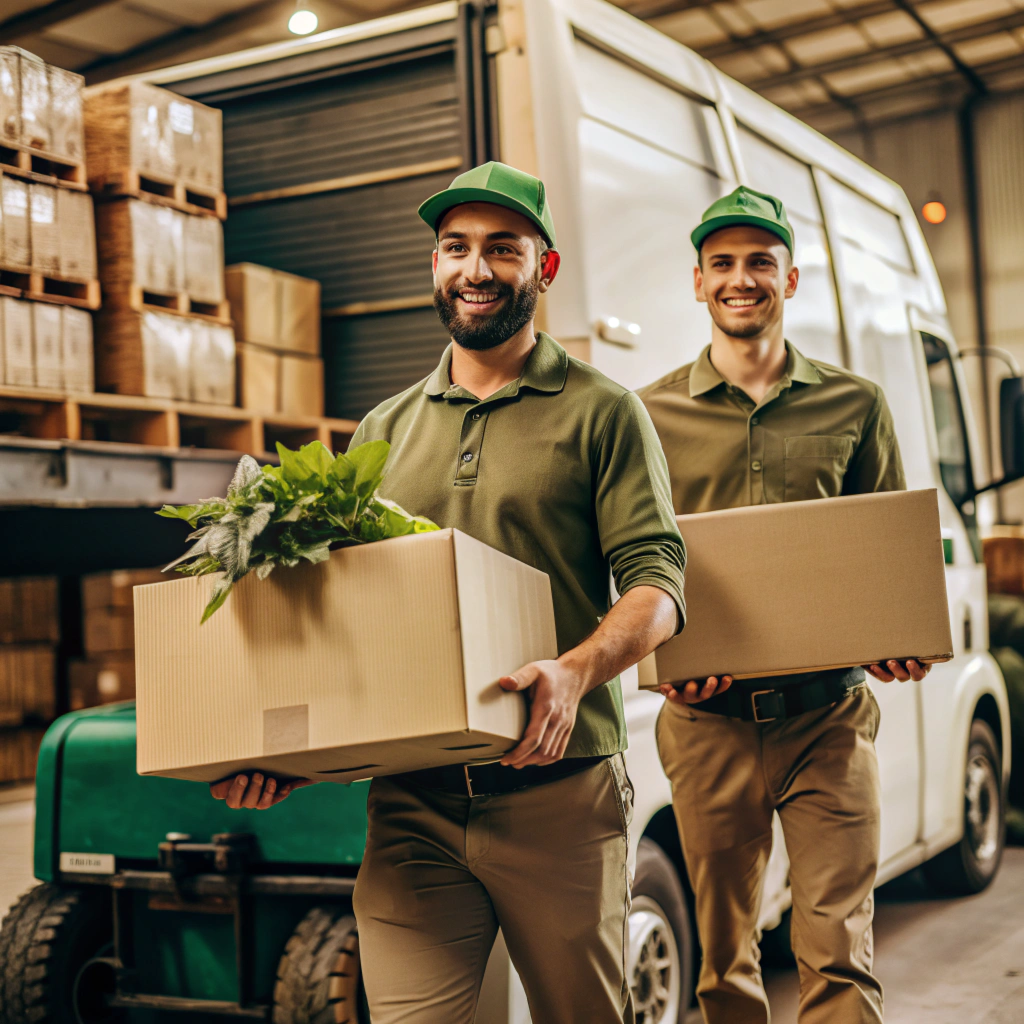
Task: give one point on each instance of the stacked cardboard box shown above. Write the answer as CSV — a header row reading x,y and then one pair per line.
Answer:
x,y
107,673
45,345
277,323
152,132
19,749
29,633
1004,560
40,106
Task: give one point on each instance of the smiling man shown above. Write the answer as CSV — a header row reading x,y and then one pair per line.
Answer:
x,y
754,421
538,455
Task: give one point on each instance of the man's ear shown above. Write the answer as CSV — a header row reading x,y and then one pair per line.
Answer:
x,y
549,268
433,261
698,284
792,279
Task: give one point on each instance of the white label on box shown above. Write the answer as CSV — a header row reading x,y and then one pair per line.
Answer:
x,y
181,117
87,863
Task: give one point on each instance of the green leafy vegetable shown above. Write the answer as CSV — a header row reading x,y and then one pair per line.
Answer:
x,y
282,515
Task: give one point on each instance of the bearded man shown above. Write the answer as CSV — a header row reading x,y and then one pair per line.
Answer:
x,y
540,456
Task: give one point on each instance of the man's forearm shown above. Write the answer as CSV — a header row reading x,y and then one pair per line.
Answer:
x,y
640,621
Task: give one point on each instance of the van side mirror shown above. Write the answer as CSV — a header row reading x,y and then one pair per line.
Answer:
x,y
1011,426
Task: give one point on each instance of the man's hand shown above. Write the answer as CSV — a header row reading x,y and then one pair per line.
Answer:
x,y
257,793
554,693
901,670
694,692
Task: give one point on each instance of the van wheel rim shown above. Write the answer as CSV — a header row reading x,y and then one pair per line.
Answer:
x,y
653,965
981,807
343,985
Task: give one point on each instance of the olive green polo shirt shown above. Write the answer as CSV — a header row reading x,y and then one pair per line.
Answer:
x,y
560,469
820,432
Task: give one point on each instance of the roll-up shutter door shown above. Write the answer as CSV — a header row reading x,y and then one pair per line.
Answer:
x,y
393,130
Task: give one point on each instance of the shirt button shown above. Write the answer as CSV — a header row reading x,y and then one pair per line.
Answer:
x,y
753,421
476,415
467,457
755,465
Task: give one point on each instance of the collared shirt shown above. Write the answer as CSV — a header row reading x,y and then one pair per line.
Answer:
x,y
820,432
560,469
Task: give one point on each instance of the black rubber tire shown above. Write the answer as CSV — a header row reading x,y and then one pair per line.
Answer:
x,y
958,871
318,978
656,879
45,939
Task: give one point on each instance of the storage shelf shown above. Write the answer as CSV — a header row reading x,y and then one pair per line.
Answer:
x,y
62,415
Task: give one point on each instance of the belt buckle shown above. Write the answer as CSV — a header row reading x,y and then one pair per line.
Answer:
x,y
757,711
469,781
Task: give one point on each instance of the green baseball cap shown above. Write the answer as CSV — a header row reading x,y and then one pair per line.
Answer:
x,y
745,206
496,183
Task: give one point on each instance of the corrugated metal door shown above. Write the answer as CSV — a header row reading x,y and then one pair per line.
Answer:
x,y
324,169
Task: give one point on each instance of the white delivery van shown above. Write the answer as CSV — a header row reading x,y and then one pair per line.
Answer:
x,y
331,137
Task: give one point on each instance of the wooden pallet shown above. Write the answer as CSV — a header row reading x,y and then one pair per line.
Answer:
x,y
163,191
35,165
129,419
142,300
30,284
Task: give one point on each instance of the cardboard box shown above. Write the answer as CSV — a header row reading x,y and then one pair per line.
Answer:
x,y
19,749
114,589
43,231
199,150
16,330
10,97
140,243
144,353
383,659
213,364
28,610
108,629
76,227
253,294
47,342
302,385
28,684
100,680
16,250
259,378
76,349
809,585
67,121
204,258
35,102
298,327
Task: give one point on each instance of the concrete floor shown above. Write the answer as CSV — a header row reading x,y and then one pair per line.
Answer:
x,y
941,961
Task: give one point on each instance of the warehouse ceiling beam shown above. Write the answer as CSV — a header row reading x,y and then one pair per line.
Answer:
x,y
167,49
859,60
969,75
30,22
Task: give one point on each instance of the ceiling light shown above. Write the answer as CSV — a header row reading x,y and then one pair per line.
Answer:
x,y
933,211
303,20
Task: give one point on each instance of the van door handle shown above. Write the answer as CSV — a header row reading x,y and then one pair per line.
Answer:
x,y
620,333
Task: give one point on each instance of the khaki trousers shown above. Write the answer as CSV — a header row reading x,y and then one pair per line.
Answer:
x,y
443,871
819,771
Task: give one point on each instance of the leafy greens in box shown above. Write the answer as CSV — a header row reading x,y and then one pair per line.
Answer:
x,y
279,515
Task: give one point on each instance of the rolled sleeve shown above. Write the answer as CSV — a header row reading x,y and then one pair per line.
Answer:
x,y
876,464
633,503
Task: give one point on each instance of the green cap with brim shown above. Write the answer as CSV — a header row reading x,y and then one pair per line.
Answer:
x,y
744,206
496,183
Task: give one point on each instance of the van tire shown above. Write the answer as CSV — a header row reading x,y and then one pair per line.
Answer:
x,y
658,893
970,865
318,976
45,939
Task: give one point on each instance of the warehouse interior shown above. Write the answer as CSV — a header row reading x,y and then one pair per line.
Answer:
x,y
285,332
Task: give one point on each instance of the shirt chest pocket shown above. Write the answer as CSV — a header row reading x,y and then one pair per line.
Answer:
x,y
815,465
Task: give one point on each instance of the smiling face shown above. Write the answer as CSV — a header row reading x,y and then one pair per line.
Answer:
x,y
489,268
745,274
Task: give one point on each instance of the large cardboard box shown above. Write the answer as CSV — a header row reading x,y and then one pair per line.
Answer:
x,y
48,345
101,680
299,313
808,585
18,360
43,231
114,589
302,385
253,294
384,658
259,378
15,240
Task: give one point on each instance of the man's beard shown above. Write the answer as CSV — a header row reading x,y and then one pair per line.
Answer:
x,y
751,329
480,333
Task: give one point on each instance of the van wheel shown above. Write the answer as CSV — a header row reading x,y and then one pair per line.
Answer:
x,y
46,940
659,959
969,866
318,977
